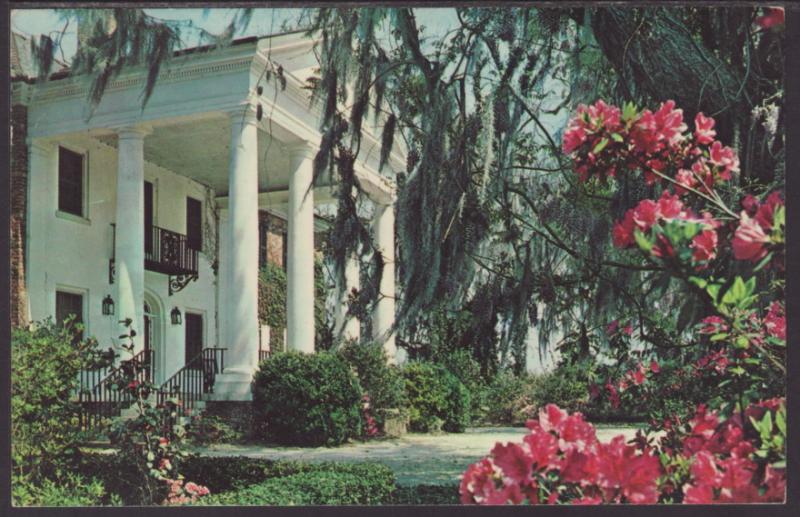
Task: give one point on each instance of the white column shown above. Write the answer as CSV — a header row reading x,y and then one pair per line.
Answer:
x,y
241,268
300,255
129,242
42,204
350,328
383,315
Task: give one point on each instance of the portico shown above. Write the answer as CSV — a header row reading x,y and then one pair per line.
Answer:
x,y
236,145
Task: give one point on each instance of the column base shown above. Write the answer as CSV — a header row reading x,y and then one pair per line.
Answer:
x,y
233,385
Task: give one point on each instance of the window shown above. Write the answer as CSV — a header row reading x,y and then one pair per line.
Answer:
x,y
194,335
194,223
69,304
70,182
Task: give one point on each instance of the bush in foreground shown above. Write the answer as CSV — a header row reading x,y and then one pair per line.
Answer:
x,y
358,484
307,399
437,399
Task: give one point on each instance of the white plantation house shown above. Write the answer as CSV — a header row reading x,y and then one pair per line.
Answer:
x,y
154,214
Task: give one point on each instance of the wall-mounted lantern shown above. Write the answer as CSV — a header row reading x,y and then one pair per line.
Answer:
x,y
108,305
176,317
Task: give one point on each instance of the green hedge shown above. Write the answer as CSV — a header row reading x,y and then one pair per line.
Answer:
x,y
436,398
70,490
381,381
356,484
306,399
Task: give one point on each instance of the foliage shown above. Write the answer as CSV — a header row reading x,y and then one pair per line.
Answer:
x,y
207,429
467,370
45,429
426,495
302,399
436,398
272,302
509,399
741,459
382,382
323,323
70,490
149,442
364,483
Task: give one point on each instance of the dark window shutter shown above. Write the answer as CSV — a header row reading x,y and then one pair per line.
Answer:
x,y
194,223
148,218
70,181
68,304
285,249
194,335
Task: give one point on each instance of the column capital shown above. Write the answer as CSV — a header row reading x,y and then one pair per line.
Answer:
x,y
301,150
244,114
135,132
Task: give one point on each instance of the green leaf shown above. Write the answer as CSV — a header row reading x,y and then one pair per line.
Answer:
x,y
735,293
719,336
628,111
741,342
780,421
699,282
641,239
616,137
600,145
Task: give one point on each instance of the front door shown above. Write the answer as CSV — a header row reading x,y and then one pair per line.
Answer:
x,y
194,339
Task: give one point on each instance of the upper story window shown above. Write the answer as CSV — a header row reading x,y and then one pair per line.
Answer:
x,y
71,182
194,223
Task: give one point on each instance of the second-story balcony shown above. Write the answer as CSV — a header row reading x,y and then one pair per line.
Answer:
x,y
169,252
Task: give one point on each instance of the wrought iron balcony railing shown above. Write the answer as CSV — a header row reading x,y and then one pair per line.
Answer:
x,y
168,252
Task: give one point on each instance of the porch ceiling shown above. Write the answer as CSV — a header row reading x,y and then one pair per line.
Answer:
x,y
200,149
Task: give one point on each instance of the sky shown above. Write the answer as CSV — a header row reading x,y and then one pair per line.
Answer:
x,y
32,22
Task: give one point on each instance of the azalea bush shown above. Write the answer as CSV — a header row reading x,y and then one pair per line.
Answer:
x,y
149,443
709,459
732,450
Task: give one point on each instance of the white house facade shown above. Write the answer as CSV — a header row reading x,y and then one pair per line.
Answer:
x,y
155,211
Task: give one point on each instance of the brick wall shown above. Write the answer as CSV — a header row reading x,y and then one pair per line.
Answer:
x,y
19,188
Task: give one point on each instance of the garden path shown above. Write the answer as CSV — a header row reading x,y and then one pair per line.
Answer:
x,y
431,459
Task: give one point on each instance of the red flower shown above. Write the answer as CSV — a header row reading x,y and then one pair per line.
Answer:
x,y
543,447
654,367
645,214
613,395
686,180
628,329
551,417
623,472
775,321
724,157
638,377
515,463
774,17
704,246
478,483
622,232
750,204
612,327
765,214
704,132
749,240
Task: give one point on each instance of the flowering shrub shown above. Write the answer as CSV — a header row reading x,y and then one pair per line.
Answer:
x,y
562,461
733,454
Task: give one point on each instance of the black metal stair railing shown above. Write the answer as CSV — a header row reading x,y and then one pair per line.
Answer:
x,y
195,379
101,398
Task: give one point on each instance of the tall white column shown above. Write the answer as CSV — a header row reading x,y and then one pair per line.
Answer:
x,y
300,255
241,261
383,315
350,328
129,241
42,204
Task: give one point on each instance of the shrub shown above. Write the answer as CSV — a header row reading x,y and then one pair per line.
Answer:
x,y
381,381
466,369
567,386
364,483
509,399
45,431
205,429
436,398
426,494
307,399
70,490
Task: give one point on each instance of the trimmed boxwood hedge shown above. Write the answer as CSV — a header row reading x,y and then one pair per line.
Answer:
x,y
357,484
235,480
306,399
